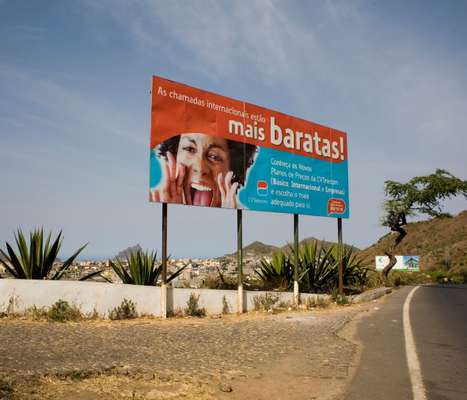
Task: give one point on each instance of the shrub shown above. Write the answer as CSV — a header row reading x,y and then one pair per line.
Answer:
x,y
141,269
374,279
277,273
284,305
439,276
321,268
93,315
78,375
126,310
61,311
322,302
318,301
444,277
338,298
460,273
318,269
220,282
342,300
402,278
35,261
265,302
178,312
457,279
12,305
6,387
318,266
397,278
36,313
225,305
192,307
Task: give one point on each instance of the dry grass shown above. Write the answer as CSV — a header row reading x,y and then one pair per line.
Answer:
x,y
113,387
440,243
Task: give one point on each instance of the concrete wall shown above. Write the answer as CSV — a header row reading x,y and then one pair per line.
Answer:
x,y
20,294
211,299
17,295
286,297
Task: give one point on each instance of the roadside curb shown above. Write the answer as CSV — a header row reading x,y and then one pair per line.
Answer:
x,y
371,295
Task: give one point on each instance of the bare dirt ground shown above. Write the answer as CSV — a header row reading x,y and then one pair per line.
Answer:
x,y
300,355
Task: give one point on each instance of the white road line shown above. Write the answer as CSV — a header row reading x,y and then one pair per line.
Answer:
x,y
415,372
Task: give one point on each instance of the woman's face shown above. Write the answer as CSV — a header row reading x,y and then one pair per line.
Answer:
x,y
205,156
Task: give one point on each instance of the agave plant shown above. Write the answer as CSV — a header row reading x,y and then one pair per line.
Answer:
x,y
277,273
141,269
321,266
318,265
318,268
353,271
36,260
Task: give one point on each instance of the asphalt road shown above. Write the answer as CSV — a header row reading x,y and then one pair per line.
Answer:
x,y
438,316
439,323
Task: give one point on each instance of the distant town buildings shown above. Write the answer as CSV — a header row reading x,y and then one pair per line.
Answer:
x,y
194,275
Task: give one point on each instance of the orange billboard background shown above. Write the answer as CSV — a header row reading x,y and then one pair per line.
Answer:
x,y
178,108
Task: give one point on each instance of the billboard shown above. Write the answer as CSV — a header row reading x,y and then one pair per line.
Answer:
x,y
404,263
214,151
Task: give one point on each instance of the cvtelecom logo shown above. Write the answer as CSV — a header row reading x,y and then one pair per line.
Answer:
x,y
262,188
336,206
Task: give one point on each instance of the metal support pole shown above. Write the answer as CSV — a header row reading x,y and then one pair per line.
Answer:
x,y
341,253
296,293
240,262
164,262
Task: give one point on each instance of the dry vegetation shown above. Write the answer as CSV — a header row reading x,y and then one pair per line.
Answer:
x,y
441,244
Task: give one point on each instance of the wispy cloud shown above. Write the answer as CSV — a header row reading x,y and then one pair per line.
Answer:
x,y
332,52
63,106
25,32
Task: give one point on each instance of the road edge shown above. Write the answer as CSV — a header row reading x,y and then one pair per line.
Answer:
x,y
413,363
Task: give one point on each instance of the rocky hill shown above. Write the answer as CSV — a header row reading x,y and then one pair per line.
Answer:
x,y
122,255
311,240
441,243
257,250
252,254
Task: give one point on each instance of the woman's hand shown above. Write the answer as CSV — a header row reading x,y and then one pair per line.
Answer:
x,y
171,188
228,190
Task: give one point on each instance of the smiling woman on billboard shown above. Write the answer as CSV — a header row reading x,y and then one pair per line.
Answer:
x,y
202,170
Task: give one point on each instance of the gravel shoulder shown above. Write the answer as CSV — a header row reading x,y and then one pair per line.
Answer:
x,y
299,355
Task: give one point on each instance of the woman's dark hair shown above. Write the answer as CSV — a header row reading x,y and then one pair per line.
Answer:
x,y
238,165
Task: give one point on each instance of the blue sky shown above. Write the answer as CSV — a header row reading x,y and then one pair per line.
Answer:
x,y
75,105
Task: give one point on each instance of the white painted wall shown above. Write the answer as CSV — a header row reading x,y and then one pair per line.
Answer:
x,y
17,295
87,296
211,299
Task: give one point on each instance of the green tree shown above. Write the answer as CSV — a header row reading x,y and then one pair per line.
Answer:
x,y
420,195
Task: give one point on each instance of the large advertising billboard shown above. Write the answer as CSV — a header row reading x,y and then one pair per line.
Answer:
x,y
214,151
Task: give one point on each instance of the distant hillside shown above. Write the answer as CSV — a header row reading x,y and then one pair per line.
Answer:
x,y
311,240
126,253
440,243
258,250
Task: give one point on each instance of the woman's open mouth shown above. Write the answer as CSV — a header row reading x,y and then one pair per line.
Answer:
x,y
201,195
